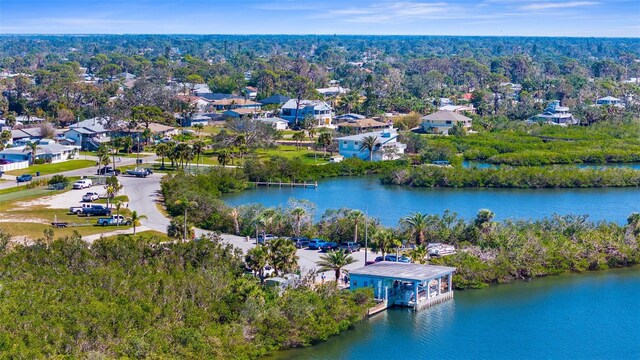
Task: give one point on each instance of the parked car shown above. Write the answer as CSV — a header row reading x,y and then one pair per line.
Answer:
x,y
108,170
24,178
393,258
90,196
350,246
83,184
96,210
78,209
264,238
138,172
328,246
315,244
114,220
300,242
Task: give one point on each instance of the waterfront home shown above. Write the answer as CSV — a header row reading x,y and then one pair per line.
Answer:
x,y
610,101
442,121
47,150
316,109
556,115
362,125
276,122
401,284
387,147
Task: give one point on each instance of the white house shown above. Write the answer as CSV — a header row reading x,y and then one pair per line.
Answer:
x,y
318,109
332,91
277,123
555,114
610,101
440,122
47,150
387,145
88,134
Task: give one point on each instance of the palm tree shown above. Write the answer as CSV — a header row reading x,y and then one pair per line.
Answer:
x,y
384,240
298,214
418,254
198,128
115,145
223,157
355,216
417,224
483,220
103,155
298,138
335,260
162,150
135,220
256,260
198,147
369,143
324,140
118,207
282,255
235,215
176,229
32,149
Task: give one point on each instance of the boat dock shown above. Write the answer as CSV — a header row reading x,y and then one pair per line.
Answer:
x,y
288,184
406,285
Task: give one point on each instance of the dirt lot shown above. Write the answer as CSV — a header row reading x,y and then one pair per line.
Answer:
x,y
61,201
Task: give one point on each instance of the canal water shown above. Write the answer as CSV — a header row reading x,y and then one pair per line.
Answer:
x,y
593,315
389,203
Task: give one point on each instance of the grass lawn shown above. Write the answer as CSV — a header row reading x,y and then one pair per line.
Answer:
x,y
21,192
208,130
120,154
46,169
148,236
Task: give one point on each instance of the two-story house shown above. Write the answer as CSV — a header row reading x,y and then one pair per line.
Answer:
x,y
88,134
316,109
440,122
387,146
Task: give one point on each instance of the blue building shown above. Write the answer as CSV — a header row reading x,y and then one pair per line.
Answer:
x,y
387,148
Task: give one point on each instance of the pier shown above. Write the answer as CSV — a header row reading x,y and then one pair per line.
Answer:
x,y
288,184
406,285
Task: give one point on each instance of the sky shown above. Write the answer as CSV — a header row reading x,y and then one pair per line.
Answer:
x,y
588,18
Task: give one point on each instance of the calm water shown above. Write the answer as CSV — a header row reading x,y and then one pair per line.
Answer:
x,y
586,316
389,203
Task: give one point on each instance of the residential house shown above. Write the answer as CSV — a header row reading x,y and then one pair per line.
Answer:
x,y
276,122
250,91
275,99
157,130
194,120
442,121
555,114
47,150
236,103
24,136
362,125
610,101
332,91
89,134
200,103
387,148
241,112
219,96
459,109
347,117
316,109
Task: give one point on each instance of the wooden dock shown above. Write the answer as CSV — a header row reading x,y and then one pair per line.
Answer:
x,y
288,184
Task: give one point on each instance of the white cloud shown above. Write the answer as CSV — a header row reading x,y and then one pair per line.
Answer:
x,y
395,11
558,5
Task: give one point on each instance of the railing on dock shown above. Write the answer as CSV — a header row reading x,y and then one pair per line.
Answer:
x,y
287,184
429,302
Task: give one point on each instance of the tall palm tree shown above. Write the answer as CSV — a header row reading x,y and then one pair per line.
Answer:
x,y
118,207
384,240
369,143
116,143
418,254
298,138
483,220
135,220
162,150
298,214
256,260
235,215
198,147
335,260
417,224
103,155
32,149
223,157
282,255
356,216
324,140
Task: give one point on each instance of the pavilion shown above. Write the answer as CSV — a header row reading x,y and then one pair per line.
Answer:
x,y
396,284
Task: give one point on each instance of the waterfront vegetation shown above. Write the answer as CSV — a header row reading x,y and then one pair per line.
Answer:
x,y
130,298
508,177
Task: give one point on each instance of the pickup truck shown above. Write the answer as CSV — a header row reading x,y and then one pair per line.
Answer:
x,y
90,196
82,184
78,209
96,210
108,170
114,220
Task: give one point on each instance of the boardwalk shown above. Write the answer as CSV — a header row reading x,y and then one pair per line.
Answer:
x,y
288,184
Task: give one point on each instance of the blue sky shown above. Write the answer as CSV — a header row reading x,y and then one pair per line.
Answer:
x,y
607,18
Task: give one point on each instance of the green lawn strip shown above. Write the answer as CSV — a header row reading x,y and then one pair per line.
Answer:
x,y
147,236
46,169
22,192
35,230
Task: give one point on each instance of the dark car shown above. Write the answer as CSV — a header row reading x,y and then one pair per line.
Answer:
x,y
393,258
300,242
24,178
96,210
108,170
149,170
328,246
265,238
315,244
350,246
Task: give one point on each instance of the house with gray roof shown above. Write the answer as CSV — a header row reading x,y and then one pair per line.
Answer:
x,y
387,146
440,122
89,134
47,150
316,109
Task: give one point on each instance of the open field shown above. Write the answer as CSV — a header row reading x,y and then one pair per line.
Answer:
x,y
146,235
46,169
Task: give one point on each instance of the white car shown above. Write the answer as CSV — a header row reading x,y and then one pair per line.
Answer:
x,y
90,196
82,184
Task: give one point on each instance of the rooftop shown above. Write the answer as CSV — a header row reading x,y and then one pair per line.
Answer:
x,y
380,134
403,271
445,116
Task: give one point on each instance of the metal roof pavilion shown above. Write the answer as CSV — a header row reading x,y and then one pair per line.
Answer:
x,y
403,271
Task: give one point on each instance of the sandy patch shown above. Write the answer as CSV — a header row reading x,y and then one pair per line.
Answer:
x,y
64,200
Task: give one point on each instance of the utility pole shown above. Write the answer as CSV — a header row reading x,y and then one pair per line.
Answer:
x,y
366,234
185,225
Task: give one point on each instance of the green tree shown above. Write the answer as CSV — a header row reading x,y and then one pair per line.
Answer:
x,y
369,143
335,261
31,148
356,217
298,214
325,140
198,148
384,240
417,224
135,220
162,150
282,256
298,137
176,229
224,156
418,254
256,259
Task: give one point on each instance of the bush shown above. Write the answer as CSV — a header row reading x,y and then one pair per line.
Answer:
x,y
38,161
